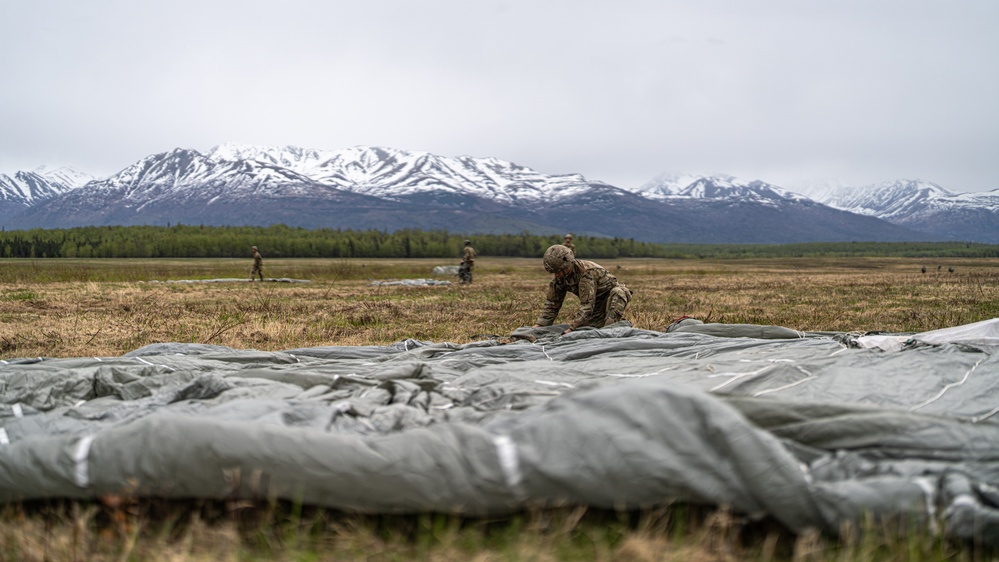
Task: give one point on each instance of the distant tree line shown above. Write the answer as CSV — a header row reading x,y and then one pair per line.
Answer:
x,y
186,241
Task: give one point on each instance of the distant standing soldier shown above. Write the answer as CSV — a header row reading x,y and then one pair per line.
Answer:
x,y
602,299
568,244
258,265
467,261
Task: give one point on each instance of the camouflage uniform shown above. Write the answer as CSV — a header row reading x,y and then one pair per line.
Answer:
x,y
602,299
572,247
568,244
467,261
258,265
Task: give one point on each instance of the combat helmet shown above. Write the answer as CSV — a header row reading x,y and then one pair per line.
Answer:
x,y
557,258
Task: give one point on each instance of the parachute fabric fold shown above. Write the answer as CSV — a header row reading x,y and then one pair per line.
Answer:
x,y
812,429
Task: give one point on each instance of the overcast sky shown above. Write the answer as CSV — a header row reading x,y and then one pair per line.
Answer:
x,y
787,91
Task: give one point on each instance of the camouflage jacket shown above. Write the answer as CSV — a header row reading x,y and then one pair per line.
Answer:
x,y
468,255
257,259
571,246
589,281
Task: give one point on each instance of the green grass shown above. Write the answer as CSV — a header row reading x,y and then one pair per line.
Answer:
x,y
18,295
119,529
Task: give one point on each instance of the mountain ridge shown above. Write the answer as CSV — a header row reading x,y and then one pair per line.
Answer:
x,y
924,206
385,188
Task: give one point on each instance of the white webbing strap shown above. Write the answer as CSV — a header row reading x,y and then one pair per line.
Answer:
x,y
509,461
81,452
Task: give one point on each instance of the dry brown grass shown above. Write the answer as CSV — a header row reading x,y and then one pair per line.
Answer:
x,y
76,308
41,315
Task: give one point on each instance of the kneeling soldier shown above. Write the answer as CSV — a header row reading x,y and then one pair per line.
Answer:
x,y
602,299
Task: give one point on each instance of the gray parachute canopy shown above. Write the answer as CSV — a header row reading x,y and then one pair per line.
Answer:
x,y
813,429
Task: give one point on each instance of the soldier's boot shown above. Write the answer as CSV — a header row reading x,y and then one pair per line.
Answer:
x,y
617,301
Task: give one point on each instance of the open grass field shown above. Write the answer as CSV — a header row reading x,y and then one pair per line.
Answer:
x,y
77,308
70,308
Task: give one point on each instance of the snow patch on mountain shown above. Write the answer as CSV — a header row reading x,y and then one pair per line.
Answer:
x,y
28,188
65,176
389,173
184,170
665,185
818,190
671,186
888,200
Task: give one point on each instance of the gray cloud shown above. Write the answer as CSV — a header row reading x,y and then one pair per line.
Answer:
x,y
781,90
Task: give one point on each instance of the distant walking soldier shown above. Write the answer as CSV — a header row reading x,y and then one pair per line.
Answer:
x,y
258,265
467,261
602,299
568,244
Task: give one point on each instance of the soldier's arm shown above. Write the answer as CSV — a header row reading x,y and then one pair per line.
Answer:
x,y
553,303
587,298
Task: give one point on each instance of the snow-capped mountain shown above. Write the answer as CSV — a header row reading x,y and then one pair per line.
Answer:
x,y
717,186
383,188
924,206
886,200
390,173
30,187
186,186
26,189
191,173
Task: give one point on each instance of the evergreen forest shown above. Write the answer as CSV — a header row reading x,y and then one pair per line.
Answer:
x,y
279,241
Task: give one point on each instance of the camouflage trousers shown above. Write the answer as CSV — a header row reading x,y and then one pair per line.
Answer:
x,y
610,308
256,271
465,273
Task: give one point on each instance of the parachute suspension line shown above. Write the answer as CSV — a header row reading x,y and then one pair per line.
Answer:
x,y
809,376
985,416
738,376
543,351
940,394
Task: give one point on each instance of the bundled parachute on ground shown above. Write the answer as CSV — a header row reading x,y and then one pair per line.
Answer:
x,y
813,429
